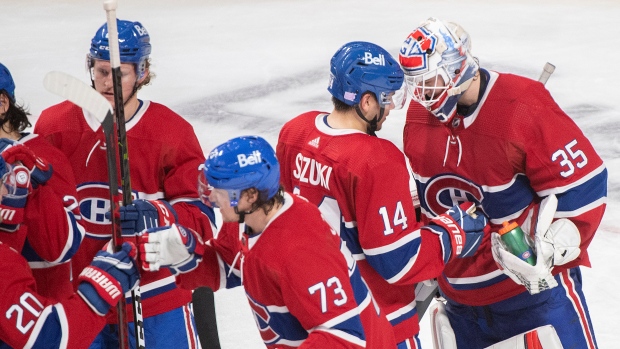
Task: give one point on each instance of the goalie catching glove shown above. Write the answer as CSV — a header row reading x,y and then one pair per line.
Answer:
x,y
462,227
176,247
106,280
554,243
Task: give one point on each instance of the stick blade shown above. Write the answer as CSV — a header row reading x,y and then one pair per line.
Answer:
x,y
79,93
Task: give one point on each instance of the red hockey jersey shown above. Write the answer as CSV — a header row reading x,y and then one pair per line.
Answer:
x,y
164,156
517,147
362,186
31,320
52,222
303,291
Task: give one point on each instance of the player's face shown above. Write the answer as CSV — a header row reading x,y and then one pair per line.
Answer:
x,y
221,198
102,76
426,89
388,105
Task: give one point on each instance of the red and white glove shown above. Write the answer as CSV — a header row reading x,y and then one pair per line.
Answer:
x,y
40,170
176,247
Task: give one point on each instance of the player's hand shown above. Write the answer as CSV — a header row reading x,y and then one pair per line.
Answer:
x,y
40,170
560,238
178,248
141,215
108,278
14,192
463,227
541,234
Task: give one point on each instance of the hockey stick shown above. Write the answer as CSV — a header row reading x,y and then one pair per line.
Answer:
x,y
427,290
87,98
119,107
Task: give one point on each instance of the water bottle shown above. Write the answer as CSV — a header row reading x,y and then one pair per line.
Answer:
x,y
514,238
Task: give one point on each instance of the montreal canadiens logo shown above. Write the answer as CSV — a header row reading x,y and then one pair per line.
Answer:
x,y
444,191
416,49
94,202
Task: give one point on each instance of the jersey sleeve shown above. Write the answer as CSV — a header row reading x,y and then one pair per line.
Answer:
x,y
219,266
389,234
35,321
52,212
562,161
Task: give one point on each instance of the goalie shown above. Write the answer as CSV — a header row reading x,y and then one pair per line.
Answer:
x,y
500,140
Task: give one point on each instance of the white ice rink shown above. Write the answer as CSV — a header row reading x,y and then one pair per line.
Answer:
x,y
246,66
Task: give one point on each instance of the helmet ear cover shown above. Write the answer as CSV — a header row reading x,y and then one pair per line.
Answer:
x,y
437,49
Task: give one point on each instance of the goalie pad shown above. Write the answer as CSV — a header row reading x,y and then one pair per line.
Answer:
x,y
543,337
443,334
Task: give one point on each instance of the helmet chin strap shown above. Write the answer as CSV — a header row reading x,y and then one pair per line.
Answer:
x,y
371,128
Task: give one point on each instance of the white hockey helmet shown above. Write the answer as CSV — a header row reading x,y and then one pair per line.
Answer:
x,y
437,50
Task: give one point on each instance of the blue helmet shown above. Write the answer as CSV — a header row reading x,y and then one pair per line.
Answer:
x,y
133,40
358,67
6,82
242,163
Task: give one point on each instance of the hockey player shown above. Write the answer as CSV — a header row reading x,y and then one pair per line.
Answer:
x,y
163,163
303,286
35,321
501,141
51,208
362,185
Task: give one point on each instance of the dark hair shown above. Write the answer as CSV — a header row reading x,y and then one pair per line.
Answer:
x,y
16,116
267,205
343,107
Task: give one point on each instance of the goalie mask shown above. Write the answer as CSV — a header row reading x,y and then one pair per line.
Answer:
x,y
239,164
438,66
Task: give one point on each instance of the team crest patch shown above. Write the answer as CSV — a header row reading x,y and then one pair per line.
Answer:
x,y
415,51
444,191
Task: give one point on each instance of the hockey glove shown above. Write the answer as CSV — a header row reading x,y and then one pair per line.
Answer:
x,y
40,170
143,214
108,278
538,277
15,190
462,227
178,248
562,234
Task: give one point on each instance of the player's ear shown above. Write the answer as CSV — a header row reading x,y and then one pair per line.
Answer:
x,y
4,103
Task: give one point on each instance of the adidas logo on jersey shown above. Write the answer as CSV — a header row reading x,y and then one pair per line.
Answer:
x,y
369,59
315,142
252,159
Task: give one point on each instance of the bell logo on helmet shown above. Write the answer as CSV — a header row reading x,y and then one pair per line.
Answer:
x,y
369,59
253,159
141,30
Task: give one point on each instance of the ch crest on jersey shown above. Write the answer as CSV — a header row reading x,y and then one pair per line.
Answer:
x,y
444,191
93,206
262,318
416,49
